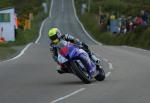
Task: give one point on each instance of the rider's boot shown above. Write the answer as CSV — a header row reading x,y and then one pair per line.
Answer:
x,y
62,70
95,59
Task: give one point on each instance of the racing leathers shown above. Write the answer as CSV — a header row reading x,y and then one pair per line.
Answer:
x,y
68,38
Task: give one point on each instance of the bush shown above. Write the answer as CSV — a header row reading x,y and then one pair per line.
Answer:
x,y
113,6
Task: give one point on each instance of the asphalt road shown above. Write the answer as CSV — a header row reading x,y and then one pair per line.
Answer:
x,y
32,77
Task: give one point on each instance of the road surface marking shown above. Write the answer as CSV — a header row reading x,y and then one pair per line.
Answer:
x,y
40,32
50,14
110,66
107,75
106,60
67,96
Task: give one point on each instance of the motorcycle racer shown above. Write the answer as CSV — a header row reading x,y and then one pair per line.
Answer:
x,y
58,41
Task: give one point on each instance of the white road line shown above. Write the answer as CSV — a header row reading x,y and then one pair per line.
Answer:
x,y
40,32
82,25
107,75
50,13
106,60
67,96
110,66
21,53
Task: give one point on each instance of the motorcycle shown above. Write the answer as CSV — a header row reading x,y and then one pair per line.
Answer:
x,y
76,66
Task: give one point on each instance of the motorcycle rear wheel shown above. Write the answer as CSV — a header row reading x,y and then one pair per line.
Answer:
x,y
101,75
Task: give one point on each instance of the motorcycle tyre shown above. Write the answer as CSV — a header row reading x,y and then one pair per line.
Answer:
x,y
79,73
101,75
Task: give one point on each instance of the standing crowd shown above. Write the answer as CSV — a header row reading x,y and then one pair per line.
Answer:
x,y
123,24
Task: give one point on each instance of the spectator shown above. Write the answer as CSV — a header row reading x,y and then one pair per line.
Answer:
x,y
112,17
102,18
108,22
129,24
119,24
122,24
103,23
138,21
144,16
123,27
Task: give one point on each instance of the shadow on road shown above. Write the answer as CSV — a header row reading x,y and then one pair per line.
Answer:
x,y
68,83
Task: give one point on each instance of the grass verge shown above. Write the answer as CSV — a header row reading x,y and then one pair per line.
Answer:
x,y
6,52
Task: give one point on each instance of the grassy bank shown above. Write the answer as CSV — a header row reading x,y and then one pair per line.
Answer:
x,y
6,52
138,38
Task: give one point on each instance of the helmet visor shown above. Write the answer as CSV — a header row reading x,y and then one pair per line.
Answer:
x,y
54,37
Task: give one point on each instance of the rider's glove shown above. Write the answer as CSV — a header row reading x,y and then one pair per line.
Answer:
x,y
78,42
84,45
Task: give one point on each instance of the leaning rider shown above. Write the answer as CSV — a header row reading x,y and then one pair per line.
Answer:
x,y
55,37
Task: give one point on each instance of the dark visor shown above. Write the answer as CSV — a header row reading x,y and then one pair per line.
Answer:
x,y
54,37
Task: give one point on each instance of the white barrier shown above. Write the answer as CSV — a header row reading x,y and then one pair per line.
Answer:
x,y
7,24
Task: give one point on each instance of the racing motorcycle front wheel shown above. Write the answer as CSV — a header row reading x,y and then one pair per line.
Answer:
x,y
83,75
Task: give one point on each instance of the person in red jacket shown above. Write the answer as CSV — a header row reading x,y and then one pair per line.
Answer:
x,y
138,20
